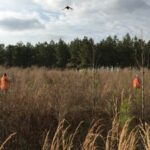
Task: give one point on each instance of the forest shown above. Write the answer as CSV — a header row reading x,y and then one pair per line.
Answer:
x,y
79,53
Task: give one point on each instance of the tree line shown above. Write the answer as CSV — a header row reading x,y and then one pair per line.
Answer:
x,y
79,53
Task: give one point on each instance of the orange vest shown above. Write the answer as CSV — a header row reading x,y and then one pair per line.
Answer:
x,y
136,83
4,85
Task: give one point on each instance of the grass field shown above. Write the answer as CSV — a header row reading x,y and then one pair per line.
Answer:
x,y
87,110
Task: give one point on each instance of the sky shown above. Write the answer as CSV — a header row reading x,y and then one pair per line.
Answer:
x,y
44,20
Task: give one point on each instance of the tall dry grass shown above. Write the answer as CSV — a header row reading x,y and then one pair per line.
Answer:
x,y
116,139
39,99
145,134
5,142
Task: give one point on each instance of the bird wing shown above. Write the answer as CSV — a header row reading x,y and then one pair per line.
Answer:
x,y
67,7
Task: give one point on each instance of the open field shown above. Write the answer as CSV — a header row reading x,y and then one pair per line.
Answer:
x,y
95,105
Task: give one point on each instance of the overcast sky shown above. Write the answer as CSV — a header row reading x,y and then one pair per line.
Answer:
x,y
44,20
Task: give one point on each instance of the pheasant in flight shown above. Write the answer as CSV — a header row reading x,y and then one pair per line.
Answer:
x,y
68,8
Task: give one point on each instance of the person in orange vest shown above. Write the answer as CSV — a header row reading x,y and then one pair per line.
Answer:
x,y
136,82
4,82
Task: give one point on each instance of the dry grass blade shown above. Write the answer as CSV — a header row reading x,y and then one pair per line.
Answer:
x,y
46,144
62,138
73,136
8,138
112,136
57,137
128,140
93,134
145,134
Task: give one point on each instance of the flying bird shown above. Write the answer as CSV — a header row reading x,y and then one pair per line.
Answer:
x,y
68,8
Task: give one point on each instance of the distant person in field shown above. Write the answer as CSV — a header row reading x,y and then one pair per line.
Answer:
x,y
136,82
4,83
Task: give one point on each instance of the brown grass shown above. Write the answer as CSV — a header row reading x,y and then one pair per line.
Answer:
x,y
8,139
39,99
120,139
145,134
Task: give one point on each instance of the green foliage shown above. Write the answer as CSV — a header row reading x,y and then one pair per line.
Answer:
x,y
126,52
79,53
62,54
107,52
75,52
2,53
124,113
45,54
86,52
